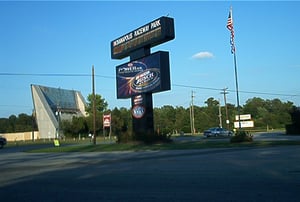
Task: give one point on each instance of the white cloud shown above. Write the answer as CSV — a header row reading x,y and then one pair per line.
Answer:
x,y
202,55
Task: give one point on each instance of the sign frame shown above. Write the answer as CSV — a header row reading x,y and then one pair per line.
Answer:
x,y
129,74
149,35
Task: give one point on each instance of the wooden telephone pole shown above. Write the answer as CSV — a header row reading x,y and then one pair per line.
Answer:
x,y
224,92
192,118
94,106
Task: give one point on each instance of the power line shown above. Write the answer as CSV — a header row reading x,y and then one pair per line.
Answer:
x,y
197,87
53,75
113,77
249,92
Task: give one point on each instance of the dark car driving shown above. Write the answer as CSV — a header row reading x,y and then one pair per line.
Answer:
x,y
2,142
217,131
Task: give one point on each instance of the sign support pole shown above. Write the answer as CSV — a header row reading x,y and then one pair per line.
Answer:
x,y
142,125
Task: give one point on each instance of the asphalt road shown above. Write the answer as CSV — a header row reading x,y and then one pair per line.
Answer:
x,y
244,174
260,136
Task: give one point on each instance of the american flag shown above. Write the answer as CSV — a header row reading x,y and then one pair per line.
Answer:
x,y
230,28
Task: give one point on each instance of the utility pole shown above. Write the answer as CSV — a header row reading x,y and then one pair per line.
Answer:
x,y
192,118
94,106
224,92
220,115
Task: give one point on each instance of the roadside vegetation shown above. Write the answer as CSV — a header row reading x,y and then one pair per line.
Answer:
x,y
241,136
135,147
168,120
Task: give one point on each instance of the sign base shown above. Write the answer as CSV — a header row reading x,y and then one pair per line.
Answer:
x,y
142,117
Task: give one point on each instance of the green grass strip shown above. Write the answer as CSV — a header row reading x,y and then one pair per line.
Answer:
x,y
163,146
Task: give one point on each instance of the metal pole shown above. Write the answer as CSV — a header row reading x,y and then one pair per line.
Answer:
x,y
94,106
237,91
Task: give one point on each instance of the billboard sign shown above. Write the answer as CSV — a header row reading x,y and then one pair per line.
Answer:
x,y
154,33
148,74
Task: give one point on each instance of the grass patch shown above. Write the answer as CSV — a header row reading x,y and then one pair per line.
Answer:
x,y
163,146
45,142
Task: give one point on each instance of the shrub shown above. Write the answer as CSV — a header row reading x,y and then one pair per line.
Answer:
x,y
241,136
154,138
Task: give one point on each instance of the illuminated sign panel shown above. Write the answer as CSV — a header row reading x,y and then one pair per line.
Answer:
x,y
149,35
148,74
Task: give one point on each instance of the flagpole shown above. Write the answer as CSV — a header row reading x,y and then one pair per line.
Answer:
x,y
237,90
233,51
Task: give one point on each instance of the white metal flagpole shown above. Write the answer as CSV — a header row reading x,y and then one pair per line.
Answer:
x,y
233,51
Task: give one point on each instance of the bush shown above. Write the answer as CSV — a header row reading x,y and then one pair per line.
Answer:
x,y
292,129
153,138
124,137
241,136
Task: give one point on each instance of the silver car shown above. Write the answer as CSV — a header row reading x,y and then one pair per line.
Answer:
x,y
217,131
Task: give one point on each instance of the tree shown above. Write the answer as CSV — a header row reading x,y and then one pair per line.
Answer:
x,y
79,125
101,104
20,123
212,112
201,118
84,125
121,124
164,119
23,123
253,106
268,113
232,112
12,124
211,102
3,125
182,120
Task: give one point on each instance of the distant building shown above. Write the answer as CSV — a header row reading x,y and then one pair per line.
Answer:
x,y
51,105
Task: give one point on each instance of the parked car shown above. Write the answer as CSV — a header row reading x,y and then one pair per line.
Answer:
x,y
2,142
217,131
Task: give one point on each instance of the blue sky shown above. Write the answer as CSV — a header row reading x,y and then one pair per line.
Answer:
x,y
69,37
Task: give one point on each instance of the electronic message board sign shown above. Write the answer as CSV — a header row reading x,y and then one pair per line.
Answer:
x,y
156,32
148,74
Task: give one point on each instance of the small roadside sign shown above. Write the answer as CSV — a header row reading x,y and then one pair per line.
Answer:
x,y
244,124
106,120
56,143
243,117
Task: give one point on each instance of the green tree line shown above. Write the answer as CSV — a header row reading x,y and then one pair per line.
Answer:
x,y
266,114
20,123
